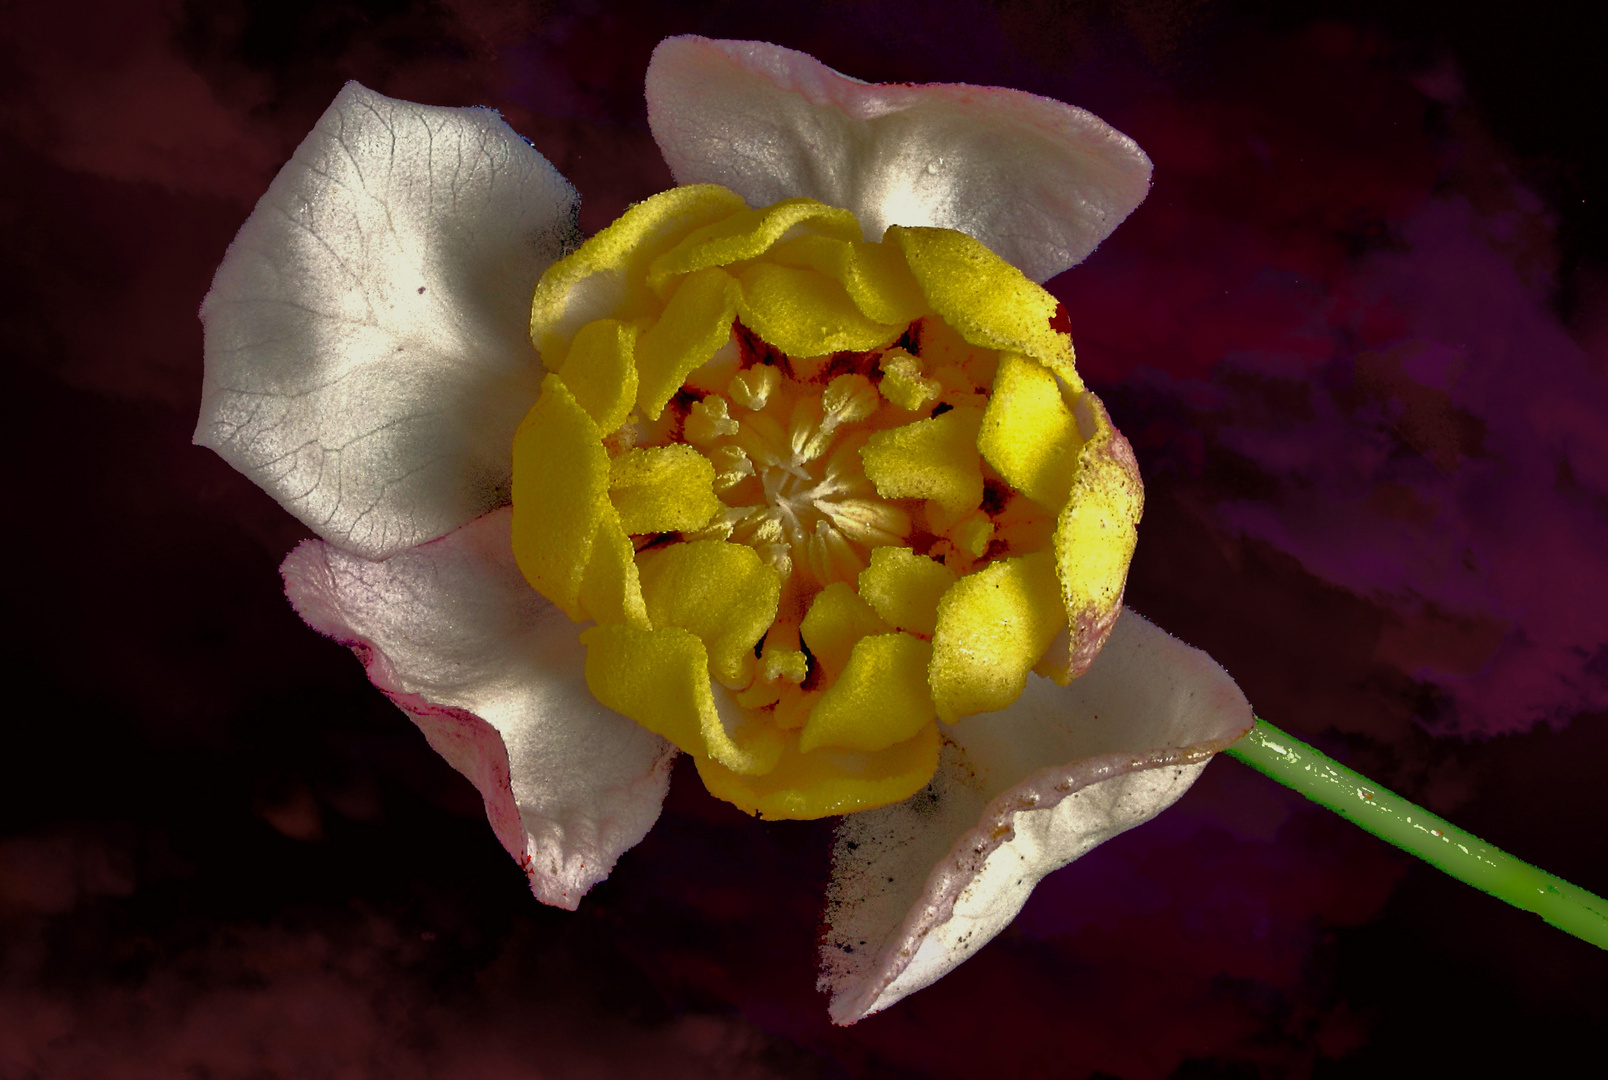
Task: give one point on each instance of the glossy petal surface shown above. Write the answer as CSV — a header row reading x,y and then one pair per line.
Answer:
x,y
921,885
367,353
493,674
1039,182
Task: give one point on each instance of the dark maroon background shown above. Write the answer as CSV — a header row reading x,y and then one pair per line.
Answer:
x,y
1358,336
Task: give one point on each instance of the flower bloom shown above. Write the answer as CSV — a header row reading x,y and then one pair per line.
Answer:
x,y
842,516
815,492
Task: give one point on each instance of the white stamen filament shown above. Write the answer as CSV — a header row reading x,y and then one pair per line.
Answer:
x,y
796,490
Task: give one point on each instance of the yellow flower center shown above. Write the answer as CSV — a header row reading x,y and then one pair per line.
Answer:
x,y
816,493
787,466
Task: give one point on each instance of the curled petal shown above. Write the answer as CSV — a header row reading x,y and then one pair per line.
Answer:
x,y
1039,182
494,676
921,885
367,352
1095,536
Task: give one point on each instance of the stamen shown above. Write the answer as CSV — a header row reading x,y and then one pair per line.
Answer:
x,y
849,399
732,466
788,471
709,420
752,388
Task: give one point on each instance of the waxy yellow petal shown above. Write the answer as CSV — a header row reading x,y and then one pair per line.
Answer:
x,y
880,699
748,234
1095,535
696,321
904,588
838,618
719,591
805,313
992,628
875,276
987,300
930,459
561,482
600,370
660,489
1028,433
827,781
660,679
611,589
606,276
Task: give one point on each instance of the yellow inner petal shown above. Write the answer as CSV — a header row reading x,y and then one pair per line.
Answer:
x,y
805,313
720,592
825,782
600,370
837,619
1028,433
880,699
611,587
992,628
930,459
659,489
605,277
1097,530
561,481
660,679
747,235
905,588
875,277
986,299
695,323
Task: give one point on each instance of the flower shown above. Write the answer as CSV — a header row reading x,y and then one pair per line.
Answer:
x,y
368,364
816,492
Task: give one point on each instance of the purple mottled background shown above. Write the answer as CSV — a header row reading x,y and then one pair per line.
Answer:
x,y
1358,335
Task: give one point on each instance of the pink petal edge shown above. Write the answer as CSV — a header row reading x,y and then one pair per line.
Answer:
x,y
920,886
1040,182
465,587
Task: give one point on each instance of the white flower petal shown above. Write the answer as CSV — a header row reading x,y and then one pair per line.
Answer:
x,y
368,353
494,676
920,886
1039,182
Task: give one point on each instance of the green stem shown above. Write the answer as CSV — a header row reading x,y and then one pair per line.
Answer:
x,y
1416,831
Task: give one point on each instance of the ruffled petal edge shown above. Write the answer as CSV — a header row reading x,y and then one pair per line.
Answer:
x,y
1040,182
532,698
920,886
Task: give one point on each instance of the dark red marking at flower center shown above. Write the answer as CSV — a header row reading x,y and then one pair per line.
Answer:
x,y
753,349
